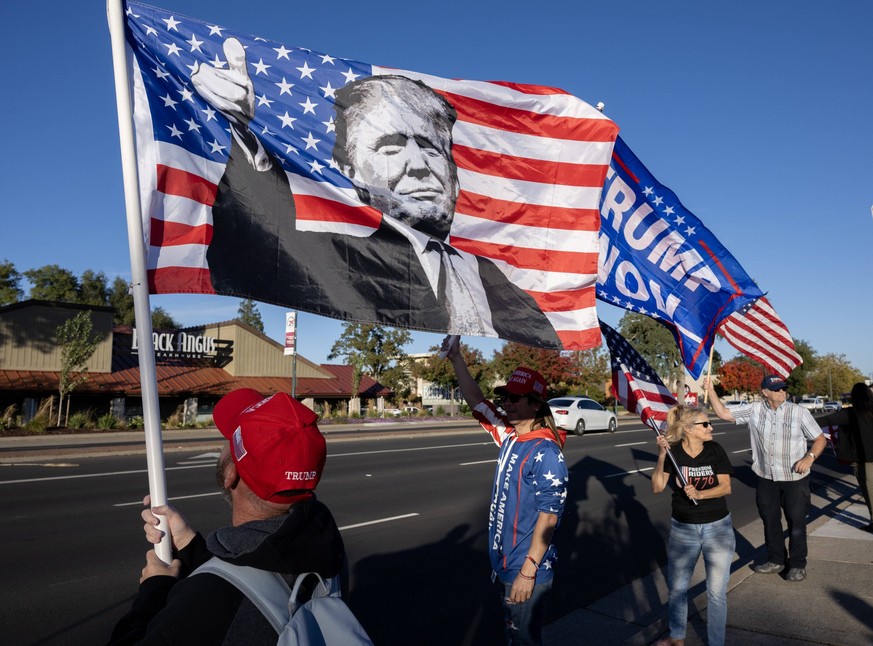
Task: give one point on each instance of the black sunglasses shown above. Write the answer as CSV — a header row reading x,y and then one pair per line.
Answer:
x,y
705,424
512,399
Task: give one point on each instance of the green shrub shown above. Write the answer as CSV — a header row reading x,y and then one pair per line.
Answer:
x,y
8,418
108,422
177,419
36,426
136,423
80,420
439,411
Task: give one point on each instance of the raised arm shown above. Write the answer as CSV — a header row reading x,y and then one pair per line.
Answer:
x,y
717,407
231,92
470,390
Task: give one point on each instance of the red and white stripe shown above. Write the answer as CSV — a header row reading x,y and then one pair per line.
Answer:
x,y
649,400
531,163
761,335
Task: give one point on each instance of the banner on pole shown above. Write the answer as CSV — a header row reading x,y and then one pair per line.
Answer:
x,y
365,193
290,333
658,259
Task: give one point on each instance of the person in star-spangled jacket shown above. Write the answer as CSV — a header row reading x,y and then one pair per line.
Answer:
x,y
528,495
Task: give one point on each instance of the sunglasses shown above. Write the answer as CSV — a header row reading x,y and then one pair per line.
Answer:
x,y
512,399
703,424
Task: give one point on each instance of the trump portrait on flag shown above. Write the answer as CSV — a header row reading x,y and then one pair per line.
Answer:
x,y
365,193
394,142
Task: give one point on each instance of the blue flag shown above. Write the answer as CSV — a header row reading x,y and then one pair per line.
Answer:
x,y
657,259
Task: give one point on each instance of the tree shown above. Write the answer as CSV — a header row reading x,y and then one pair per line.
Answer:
x,y
834,375
10,284
121,300
161,320
371,349
78,343
741,375
591,372
799,381
656,345
53,283
248,313
93,289
555,367
441,372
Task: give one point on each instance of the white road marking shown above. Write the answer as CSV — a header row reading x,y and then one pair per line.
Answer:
x,y
48,465
203,458
743,451
100,475
211,465
466,464
624,473
631,444
196,495
375,522
417,448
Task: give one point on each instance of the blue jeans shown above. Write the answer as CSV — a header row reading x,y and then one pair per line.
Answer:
x,y
524,621
792,497
717,542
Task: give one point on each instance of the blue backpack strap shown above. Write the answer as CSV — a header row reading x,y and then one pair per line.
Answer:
x,y
267,590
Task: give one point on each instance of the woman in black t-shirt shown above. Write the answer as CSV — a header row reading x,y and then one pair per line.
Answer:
x,y
700,523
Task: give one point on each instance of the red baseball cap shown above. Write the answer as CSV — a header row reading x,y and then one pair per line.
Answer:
x,y
274,442
525,381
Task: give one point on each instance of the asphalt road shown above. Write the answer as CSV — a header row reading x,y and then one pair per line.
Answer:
x,y
413,513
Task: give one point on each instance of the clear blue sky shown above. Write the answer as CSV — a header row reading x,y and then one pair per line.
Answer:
x,y
757,114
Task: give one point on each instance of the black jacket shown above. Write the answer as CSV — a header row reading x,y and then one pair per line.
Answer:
x,y
206,609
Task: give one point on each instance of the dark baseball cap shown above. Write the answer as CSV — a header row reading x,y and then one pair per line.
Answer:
x,y
773,382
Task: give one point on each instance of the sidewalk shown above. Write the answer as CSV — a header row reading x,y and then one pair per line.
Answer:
x,y
834,605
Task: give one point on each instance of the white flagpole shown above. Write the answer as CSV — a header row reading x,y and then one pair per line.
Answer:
x,y
135,239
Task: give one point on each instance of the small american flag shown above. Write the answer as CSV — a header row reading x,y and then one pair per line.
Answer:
x,y
634,382
531,163
758,332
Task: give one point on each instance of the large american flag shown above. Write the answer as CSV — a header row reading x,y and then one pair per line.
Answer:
x,y
531,162
634,382
758,332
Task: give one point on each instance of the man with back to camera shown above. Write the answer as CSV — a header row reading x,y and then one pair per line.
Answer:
x,y
779,433
394,142
268,471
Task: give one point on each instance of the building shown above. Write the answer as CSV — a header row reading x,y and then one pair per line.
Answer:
x,y
195,366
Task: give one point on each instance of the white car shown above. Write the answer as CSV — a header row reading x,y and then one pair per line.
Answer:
x,y
580,414
814,404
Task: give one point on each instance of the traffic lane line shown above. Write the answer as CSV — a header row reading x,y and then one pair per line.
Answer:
x,y
626,473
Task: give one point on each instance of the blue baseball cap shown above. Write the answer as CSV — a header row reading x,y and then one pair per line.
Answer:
x,y
773,382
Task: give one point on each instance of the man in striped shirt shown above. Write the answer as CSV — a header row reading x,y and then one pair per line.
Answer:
x,y
780,432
